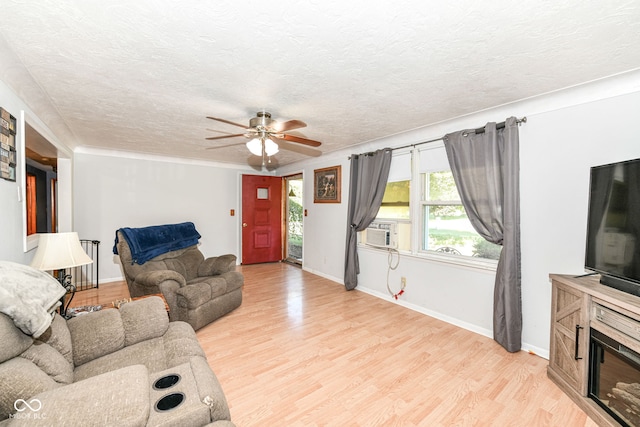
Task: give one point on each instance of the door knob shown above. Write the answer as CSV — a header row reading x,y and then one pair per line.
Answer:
x,y
244,224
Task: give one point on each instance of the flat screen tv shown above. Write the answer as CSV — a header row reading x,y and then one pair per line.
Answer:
x,y
613,227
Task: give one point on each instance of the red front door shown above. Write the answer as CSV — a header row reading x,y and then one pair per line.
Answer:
x,y
261,219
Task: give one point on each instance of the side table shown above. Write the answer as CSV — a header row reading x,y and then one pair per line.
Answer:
x,y
118,303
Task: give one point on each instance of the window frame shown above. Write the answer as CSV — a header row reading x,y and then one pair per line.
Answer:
x,y
416,220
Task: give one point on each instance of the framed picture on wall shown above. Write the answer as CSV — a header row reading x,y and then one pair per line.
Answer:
x,y
7,145
326,185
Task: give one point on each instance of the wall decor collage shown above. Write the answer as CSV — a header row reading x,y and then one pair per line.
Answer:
x,y
7,145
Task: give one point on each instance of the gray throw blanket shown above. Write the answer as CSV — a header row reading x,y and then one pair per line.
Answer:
x,y
29,297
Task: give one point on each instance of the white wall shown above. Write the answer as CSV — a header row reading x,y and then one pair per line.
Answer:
x,y
557,149
11,216
11,242
567,132
112,192
324,227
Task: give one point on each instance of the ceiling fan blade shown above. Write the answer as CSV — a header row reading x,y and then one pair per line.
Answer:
x,y
290,125
263,164
224,146
228,122
300,140
213,138
271,164
297,148
219,131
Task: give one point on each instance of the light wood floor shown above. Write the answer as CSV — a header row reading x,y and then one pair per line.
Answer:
x,y
301,351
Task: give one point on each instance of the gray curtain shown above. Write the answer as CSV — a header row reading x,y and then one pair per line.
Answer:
x,y
368,180
486,170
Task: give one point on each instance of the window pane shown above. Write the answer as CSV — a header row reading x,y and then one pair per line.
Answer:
x,y
263,193
440,186
447,229
404,236
395,203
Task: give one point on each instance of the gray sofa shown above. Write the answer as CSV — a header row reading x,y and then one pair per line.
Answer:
x,y
103,368
197,290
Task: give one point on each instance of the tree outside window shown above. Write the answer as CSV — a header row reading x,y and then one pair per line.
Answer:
x,y
442,223
446,227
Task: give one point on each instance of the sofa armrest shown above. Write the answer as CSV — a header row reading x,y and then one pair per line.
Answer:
x,y
234,279
209,389
221,423
106,331
217,265
143,320
119,397
194,295
155,278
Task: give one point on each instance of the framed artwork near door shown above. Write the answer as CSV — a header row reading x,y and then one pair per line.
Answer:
x,y
326,185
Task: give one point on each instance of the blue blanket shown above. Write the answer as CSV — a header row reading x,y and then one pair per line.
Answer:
x,y
149,242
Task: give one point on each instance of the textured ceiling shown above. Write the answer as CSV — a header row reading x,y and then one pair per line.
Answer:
x,y
143,75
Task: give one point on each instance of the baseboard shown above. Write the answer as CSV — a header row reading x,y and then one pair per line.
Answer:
x,y
532,349
326,276
537,351
430,313
111,279
542,352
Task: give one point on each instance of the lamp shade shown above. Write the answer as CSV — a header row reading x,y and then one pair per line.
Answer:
x,y
270,147
59,250
255,146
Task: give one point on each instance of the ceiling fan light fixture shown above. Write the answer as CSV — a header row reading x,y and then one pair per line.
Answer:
x,y
270,147
264,133
255,146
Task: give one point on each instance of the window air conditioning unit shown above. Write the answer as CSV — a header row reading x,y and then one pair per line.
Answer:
x,y
382,234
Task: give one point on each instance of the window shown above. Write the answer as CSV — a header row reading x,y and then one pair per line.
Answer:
x,y
396,202
433,211
445,224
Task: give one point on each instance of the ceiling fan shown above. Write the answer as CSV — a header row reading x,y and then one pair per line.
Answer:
x,y
267,136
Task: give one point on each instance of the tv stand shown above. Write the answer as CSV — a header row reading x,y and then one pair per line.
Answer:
x,y
572,316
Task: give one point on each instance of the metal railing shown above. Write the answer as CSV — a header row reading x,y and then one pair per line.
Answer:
x,y
86,276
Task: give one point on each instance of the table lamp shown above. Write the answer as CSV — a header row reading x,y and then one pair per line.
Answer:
x,y
59,251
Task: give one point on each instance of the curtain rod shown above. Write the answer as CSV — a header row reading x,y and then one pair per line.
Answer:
x,y
478,130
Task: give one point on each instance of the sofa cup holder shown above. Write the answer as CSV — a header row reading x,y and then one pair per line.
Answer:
x,y
169,402
166,381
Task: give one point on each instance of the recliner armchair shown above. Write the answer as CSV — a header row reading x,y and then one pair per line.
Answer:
x,y
197,290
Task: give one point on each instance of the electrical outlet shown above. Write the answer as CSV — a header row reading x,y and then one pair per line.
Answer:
x,y
403,281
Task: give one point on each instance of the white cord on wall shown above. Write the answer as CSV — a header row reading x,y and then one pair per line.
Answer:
x,y
392,266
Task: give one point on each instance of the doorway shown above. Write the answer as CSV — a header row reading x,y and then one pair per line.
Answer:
x,y
32,201
294,218
41,174
261,219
